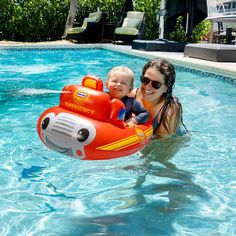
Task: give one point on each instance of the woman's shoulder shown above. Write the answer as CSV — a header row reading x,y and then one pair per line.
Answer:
x,y
174,104
174,100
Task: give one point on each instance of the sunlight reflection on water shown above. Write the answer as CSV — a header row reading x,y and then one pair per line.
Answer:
x,y
178,186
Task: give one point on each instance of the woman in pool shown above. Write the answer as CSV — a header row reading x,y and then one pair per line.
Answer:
x,y
155,94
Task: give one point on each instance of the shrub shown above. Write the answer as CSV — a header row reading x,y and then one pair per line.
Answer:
x,y
198,33
201,31
179,32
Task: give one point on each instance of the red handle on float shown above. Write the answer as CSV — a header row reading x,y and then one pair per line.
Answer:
x,y
94,82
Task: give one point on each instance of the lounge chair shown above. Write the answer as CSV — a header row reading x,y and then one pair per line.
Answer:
x,y
212,52
132,27
90,31
158,45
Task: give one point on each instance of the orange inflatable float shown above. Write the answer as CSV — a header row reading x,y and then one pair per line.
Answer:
x,y
88,125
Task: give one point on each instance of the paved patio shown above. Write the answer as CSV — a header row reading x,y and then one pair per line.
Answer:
x,y
221,68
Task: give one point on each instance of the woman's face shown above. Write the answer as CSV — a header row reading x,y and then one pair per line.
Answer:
x,y
156,79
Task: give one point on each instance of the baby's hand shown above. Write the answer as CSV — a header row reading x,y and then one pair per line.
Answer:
x,y
131,122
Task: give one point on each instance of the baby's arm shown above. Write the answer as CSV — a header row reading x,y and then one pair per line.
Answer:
x,y
140,114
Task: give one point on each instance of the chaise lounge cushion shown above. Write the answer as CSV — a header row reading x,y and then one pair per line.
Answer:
x,y
129,27
77,30
131,23
86,30
212,52
126,31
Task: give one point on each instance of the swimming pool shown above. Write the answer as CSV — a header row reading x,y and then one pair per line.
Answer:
x,y
181,186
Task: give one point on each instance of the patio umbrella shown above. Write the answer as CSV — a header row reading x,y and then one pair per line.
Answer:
x,y
196,12
128,6
193,12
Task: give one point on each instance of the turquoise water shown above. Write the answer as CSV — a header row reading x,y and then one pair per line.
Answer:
x,y
185,185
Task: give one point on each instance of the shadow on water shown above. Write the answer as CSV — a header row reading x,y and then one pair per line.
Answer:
x,y
158,156
175,183
161,194
130,224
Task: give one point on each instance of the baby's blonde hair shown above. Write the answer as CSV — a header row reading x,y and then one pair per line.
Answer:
x,y
128,71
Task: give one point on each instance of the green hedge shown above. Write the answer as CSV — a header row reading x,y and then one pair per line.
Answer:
x,y
32,20
112,8
41,20
150,7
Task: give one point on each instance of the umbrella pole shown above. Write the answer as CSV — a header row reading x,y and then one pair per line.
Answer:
x,y
187,22
161,23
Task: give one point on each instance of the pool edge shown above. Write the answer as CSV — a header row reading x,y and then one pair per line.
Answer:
x,y
222,69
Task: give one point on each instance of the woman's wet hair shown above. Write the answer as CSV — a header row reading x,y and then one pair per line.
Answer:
x,y
168,70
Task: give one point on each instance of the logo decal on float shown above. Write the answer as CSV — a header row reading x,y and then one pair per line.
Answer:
x,y
81,96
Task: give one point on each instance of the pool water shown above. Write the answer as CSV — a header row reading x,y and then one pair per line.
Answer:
x,y
185,185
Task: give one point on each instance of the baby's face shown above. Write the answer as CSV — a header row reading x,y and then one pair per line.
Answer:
x,y
118,84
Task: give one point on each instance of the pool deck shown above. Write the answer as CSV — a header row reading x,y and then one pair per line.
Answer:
x,y
220,68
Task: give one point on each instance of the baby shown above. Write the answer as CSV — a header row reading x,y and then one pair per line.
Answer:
x,y
120,83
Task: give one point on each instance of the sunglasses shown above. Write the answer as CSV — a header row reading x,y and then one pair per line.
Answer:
x,y
146,81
